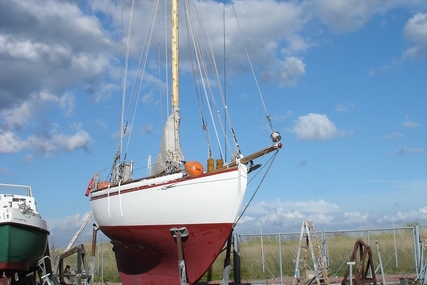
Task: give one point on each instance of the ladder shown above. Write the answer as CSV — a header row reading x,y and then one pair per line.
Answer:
x,y
308,240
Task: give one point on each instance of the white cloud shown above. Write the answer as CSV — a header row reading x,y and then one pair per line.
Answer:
x,y
314,127
44,144
293,68
282,24
23,49
38,72
404,217
415,28
287,216
407,123
54,142
394,135
10,143
20,119
63,229
48,46
415,31
65,101
343,16
355,217
344,107
271,41
287,72
272,217
279,216
16,117
51,51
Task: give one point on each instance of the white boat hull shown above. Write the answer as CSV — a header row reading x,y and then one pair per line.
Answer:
x,y
138,218
210,198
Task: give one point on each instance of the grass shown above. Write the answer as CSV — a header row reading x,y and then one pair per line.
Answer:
x,y
273,254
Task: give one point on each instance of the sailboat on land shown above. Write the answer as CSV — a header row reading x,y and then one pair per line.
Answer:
x,y
170,226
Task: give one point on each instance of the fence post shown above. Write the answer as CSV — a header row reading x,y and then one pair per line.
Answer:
x,y
262,253
280,259
395,246
415,236
325,253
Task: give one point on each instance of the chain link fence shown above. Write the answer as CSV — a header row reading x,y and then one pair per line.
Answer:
x,y
396,252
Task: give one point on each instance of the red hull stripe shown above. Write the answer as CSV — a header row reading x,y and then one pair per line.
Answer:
x,y
185,178
148,255
18,266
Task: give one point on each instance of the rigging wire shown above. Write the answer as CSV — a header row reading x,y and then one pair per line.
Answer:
x,y
140,71
272,158
222,93
204,78
144,59
159,69
225,79
125,78
203,74
197,89
253,72
123,128
166,57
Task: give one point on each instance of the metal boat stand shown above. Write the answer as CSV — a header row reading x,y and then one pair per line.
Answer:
x,y
67,274
233,243
84,273
179,234
226,270
364,265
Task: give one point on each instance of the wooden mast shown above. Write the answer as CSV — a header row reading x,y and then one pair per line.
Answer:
x,y
175,75
174,56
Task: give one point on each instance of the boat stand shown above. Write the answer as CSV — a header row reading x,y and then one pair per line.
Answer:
x,y
227,263
179,234
364,266
67,274
233,244
64,275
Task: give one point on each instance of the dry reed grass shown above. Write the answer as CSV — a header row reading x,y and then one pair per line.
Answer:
x,y
262,259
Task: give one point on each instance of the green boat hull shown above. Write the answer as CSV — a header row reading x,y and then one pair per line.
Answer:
x,y
21,247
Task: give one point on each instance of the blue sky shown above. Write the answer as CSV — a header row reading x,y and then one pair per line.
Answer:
x,y
343,81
